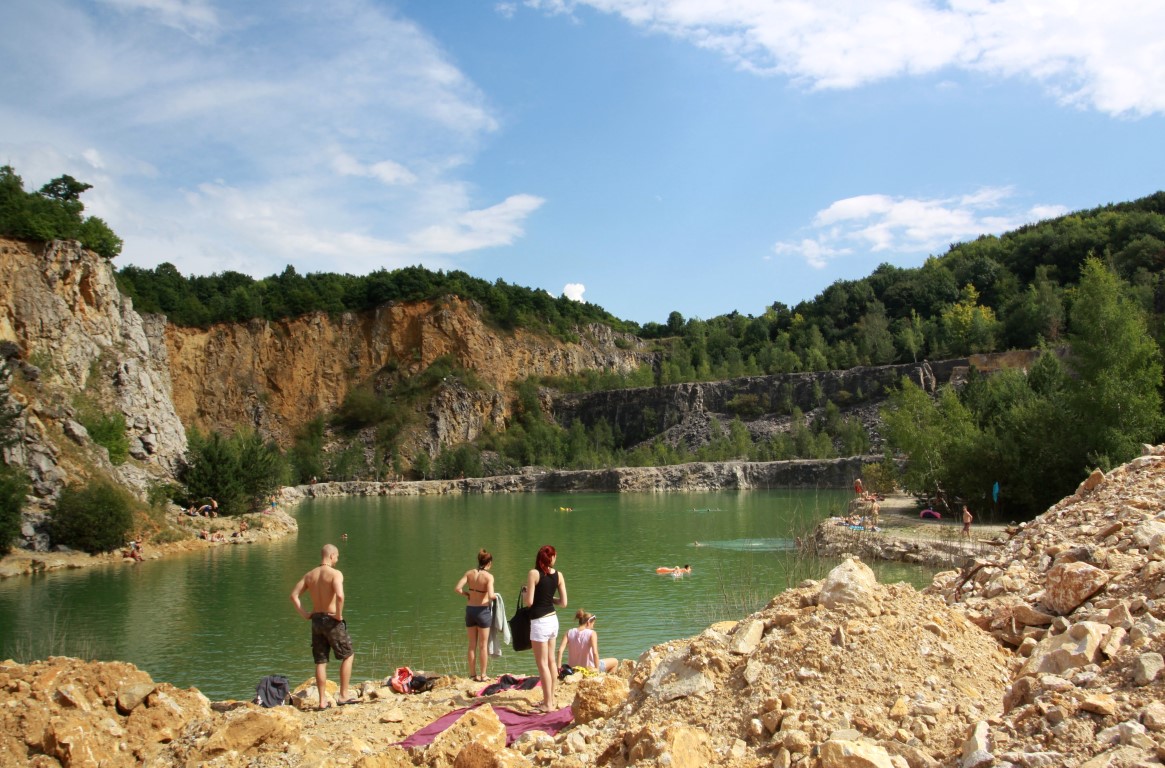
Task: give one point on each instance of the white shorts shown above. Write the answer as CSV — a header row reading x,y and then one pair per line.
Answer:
x,y
544,628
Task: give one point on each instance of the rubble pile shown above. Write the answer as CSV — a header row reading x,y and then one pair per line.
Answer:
x,y
1080,594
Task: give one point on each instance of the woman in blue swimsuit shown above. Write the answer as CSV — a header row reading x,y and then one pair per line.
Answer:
x,y
479,612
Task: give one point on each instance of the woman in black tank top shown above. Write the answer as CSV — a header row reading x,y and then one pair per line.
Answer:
x,y
542,582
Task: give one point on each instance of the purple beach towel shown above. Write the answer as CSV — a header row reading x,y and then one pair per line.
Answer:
x,y
516,724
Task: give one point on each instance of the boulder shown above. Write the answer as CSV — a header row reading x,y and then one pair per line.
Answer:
x,y
255,730
838,753
747,636
598,697
678,746
674,679
480,725
1147,667
851,583
1077,646
1070,584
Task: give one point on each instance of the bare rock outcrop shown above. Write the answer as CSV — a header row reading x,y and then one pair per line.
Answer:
x,y
73,332
279,374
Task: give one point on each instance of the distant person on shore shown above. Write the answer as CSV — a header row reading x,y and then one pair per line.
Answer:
x,y
967,518
582,644
329,631
542,583
478,612
859,489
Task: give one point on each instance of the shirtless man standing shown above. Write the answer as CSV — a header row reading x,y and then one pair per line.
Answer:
x,y
325,584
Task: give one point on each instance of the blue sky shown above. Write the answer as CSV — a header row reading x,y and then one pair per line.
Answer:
x,y
645,155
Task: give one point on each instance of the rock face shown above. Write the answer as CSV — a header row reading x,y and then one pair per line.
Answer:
x,y
73,333
681,413
277,375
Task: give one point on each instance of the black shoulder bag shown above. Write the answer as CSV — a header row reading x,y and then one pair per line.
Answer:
x,y
520,625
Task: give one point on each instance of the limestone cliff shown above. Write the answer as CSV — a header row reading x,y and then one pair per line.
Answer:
x,y
276,375
72,339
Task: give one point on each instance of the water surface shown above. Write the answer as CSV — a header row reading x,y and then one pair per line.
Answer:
x,y
220,619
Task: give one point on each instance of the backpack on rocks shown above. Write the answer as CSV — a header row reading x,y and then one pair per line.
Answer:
x,y
272,691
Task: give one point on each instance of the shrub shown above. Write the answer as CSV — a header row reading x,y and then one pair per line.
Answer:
x,y
95,517
108,431
13,487
881,478
239,472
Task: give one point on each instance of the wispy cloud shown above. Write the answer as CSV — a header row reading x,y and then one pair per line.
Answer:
x,y
871,224
1105,56
255,136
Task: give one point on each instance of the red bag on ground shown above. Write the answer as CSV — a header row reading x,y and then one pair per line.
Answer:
x,y
401,680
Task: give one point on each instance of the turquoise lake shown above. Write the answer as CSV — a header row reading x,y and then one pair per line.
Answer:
x,y
220,619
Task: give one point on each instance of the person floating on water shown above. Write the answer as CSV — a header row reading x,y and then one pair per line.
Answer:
x,y
675,570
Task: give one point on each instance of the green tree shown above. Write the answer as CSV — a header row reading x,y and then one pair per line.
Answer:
x,y
306,456
968,326
924,430
95,517
422,464
239,472
108,431
1115,395
55,212
462,460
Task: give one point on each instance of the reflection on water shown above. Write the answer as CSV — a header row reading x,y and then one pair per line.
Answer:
x,y
220,619
751,545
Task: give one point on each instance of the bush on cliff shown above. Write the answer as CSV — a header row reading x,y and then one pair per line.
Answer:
x,y
95,517
13,487
108,431
52,213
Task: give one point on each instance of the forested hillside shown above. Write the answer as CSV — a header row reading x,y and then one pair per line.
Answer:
x,y
997,292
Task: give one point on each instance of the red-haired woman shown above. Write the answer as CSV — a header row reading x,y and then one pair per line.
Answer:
x,y
542,583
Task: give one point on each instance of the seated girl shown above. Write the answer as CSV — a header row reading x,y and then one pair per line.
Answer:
x,y
583,642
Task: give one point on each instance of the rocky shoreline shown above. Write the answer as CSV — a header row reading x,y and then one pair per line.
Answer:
x,y
1044,651
261,527
902,537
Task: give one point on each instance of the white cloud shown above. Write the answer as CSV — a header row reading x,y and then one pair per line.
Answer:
x,y
574,291
386,170
880,223
249,137
815,252
497,225
1103,55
